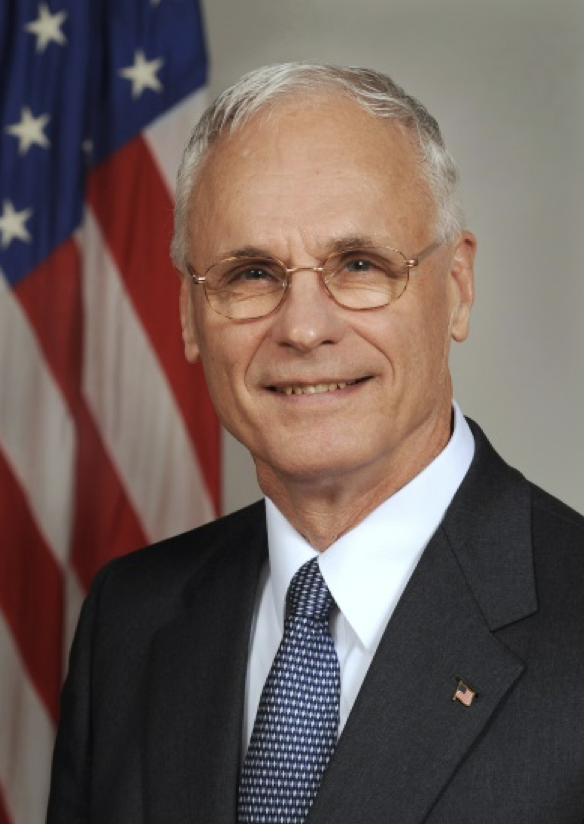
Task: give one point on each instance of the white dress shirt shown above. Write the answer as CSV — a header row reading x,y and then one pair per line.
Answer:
x,y
366,571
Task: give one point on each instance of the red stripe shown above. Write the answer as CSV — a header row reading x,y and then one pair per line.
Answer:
x,y
4,817
51,297
137,224
31,591
105,522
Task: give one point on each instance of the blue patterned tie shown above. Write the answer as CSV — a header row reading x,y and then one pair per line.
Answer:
x,y
296,725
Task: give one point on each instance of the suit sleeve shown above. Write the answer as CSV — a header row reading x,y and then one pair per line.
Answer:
x,y
69,799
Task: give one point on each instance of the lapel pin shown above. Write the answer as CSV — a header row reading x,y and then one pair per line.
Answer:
x,y
464,693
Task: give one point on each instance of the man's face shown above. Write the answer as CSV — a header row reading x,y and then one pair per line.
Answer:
x,y
293,185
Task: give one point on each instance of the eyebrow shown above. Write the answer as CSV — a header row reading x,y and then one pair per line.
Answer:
x,y
246,252
352,242
336,245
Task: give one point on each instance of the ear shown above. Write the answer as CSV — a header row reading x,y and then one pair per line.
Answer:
x,y
462,285
187,321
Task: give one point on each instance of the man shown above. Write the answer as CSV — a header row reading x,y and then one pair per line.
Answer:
x,y
325,270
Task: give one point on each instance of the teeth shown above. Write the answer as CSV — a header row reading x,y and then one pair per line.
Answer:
x,y
315,389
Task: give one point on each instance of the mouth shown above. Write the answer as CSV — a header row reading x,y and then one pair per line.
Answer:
x,y
314,388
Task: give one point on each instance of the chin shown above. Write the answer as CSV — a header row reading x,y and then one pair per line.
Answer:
x,y
320,462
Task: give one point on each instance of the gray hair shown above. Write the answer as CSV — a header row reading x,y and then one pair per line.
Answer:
x,y
263,88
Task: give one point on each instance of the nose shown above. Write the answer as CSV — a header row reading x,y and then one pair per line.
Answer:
x,y
308,317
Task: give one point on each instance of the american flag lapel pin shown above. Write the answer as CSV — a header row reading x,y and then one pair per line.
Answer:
x,y
464,693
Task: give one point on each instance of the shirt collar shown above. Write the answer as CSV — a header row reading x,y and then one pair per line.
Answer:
x,y
367,569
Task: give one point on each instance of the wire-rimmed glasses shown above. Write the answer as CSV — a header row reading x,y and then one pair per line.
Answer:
x,y
249,288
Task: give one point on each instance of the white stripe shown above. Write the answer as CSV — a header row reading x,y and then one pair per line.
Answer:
x,y
26,739
168,136
74,596
36,429
133,404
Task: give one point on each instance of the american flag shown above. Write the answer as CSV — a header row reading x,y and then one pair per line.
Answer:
x,y
107,438
464,694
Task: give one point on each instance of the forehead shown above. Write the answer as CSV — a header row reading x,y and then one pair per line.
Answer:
x,y
311,163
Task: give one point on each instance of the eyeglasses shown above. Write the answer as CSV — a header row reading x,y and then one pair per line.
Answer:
x,y
248,288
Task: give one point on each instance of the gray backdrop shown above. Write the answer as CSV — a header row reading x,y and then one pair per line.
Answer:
x,y
505,79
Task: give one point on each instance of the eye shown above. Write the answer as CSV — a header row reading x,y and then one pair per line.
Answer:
x,y
358,265
253,273
245,274
370,265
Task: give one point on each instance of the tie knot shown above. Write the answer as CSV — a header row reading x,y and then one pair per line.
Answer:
x,y
308,594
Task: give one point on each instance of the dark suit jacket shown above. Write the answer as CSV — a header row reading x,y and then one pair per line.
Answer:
x,y
152,709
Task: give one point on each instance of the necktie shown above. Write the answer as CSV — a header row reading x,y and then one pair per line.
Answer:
x,y
295,729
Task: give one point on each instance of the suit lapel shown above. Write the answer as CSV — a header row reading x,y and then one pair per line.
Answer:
x,y
406,737
197,686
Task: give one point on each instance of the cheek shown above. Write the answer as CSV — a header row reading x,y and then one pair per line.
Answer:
x,y
417,338
227,351
434,303
221,370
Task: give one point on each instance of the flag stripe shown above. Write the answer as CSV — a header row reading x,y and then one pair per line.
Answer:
x,y
74,593
157,466
32,605
102,531
26,742
33,404
142,261
51,298
168,135
106,523
3,811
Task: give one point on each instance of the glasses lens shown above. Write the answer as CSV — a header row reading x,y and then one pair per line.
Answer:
x,y
366,278
245,288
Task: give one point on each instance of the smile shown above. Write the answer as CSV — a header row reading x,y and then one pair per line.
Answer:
x,y
314,388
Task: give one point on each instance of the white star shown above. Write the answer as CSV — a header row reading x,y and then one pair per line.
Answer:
x,y
12,225
143,74
30,130
47,27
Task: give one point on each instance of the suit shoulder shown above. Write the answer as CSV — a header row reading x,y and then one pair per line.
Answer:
x,y
553,515
558,554
162,571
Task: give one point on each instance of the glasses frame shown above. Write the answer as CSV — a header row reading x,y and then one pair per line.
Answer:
x,y
410,263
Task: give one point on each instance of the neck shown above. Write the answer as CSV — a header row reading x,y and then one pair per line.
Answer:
x,y
322,510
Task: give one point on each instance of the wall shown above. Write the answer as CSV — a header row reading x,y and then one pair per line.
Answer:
x,y
506,82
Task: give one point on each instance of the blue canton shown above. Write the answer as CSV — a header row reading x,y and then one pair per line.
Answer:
x,y
78,79
296,726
